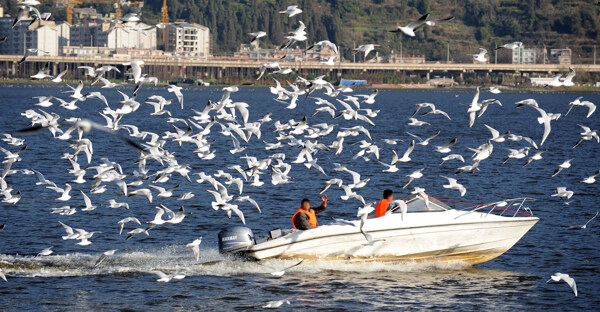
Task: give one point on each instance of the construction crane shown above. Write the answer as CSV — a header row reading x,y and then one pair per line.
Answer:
x,y
116,4
164,21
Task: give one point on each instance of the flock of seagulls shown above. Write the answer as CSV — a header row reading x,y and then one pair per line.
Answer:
x,y
230,118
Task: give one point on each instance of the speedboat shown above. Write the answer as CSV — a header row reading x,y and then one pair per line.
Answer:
x,y
428,230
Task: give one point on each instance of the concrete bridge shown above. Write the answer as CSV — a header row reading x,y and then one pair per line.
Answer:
x,y
179,67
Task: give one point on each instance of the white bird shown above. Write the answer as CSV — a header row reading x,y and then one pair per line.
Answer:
x,y
495,90
126,220
590,220
279,272
406,156
417,174
177,90
64,192
88,203
163,192
426,141
144,192
2,276
416,123
563,193
511,46
591,179
46,252
135,232
164,278
452,157
195,245
257,35
557,277
291,10
444,149
366,49
250,200
275,304
104,255
423,21
577,102
454,185
565,165
481,56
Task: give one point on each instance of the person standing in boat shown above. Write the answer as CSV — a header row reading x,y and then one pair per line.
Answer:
x,y
381,208
305,217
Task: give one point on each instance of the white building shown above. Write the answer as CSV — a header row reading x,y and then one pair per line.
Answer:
x,y
524,55
189,39
119,37
45,36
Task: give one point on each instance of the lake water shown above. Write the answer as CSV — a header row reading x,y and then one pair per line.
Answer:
x,y
67,280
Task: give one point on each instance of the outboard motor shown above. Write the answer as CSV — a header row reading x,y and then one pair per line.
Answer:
x,y
233,239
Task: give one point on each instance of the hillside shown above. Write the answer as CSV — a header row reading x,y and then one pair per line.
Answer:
x,y
479,23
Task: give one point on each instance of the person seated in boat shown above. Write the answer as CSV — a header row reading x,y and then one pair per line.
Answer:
x,y
381,208
306,217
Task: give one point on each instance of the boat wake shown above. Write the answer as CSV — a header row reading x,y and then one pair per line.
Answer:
x,y
180,259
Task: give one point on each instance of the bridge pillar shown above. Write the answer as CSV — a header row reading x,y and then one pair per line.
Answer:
x,y
55,69
14,68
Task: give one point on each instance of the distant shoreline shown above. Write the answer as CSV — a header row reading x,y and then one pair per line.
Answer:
x,y
374,86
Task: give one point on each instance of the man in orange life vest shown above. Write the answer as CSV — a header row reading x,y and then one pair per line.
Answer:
x,y
305,218
381,208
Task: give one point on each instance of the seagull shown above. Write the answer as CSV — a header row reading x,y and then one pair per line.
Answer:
x,y
557,277
536,156
144,191
177,90
2,276
423,21
164,278
406,156
392,166
370,99
563,193
417,174
46,252
248,199
452,157
495,90
195,247
135,232
577,102
426,141
88,203
454,185
511,46
565,165
114,205
104,255
366,49
163,192
444,149
279,272
591,179
126,220
416,123
586,135
275,304
480,57
257,35
496,136
64,192
291,10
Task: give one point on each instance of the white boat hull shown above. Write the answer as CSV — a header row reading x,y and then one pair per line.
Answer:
x,y
434,236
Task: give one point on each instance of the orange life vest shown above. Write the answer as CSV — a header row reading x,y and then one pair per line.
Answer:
x,y
381,208
312,217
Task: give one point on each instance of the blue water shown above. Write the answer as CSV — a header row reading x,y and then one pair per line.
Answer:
x,y
67,280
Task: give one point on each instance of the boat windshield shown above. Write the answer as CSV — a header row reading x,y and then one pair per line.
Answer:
x,y
417,204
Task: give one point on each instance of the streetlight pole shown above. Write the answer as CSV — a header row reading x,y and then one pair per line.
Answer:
x,y
401,61
495,53
594,54
448,53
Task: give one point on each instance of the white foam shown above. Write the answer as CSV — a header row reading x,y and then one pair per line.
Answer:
x,y
180,259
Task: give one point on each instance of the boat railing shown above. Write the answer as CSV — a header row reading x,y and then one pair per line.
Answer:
x,y
500,207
